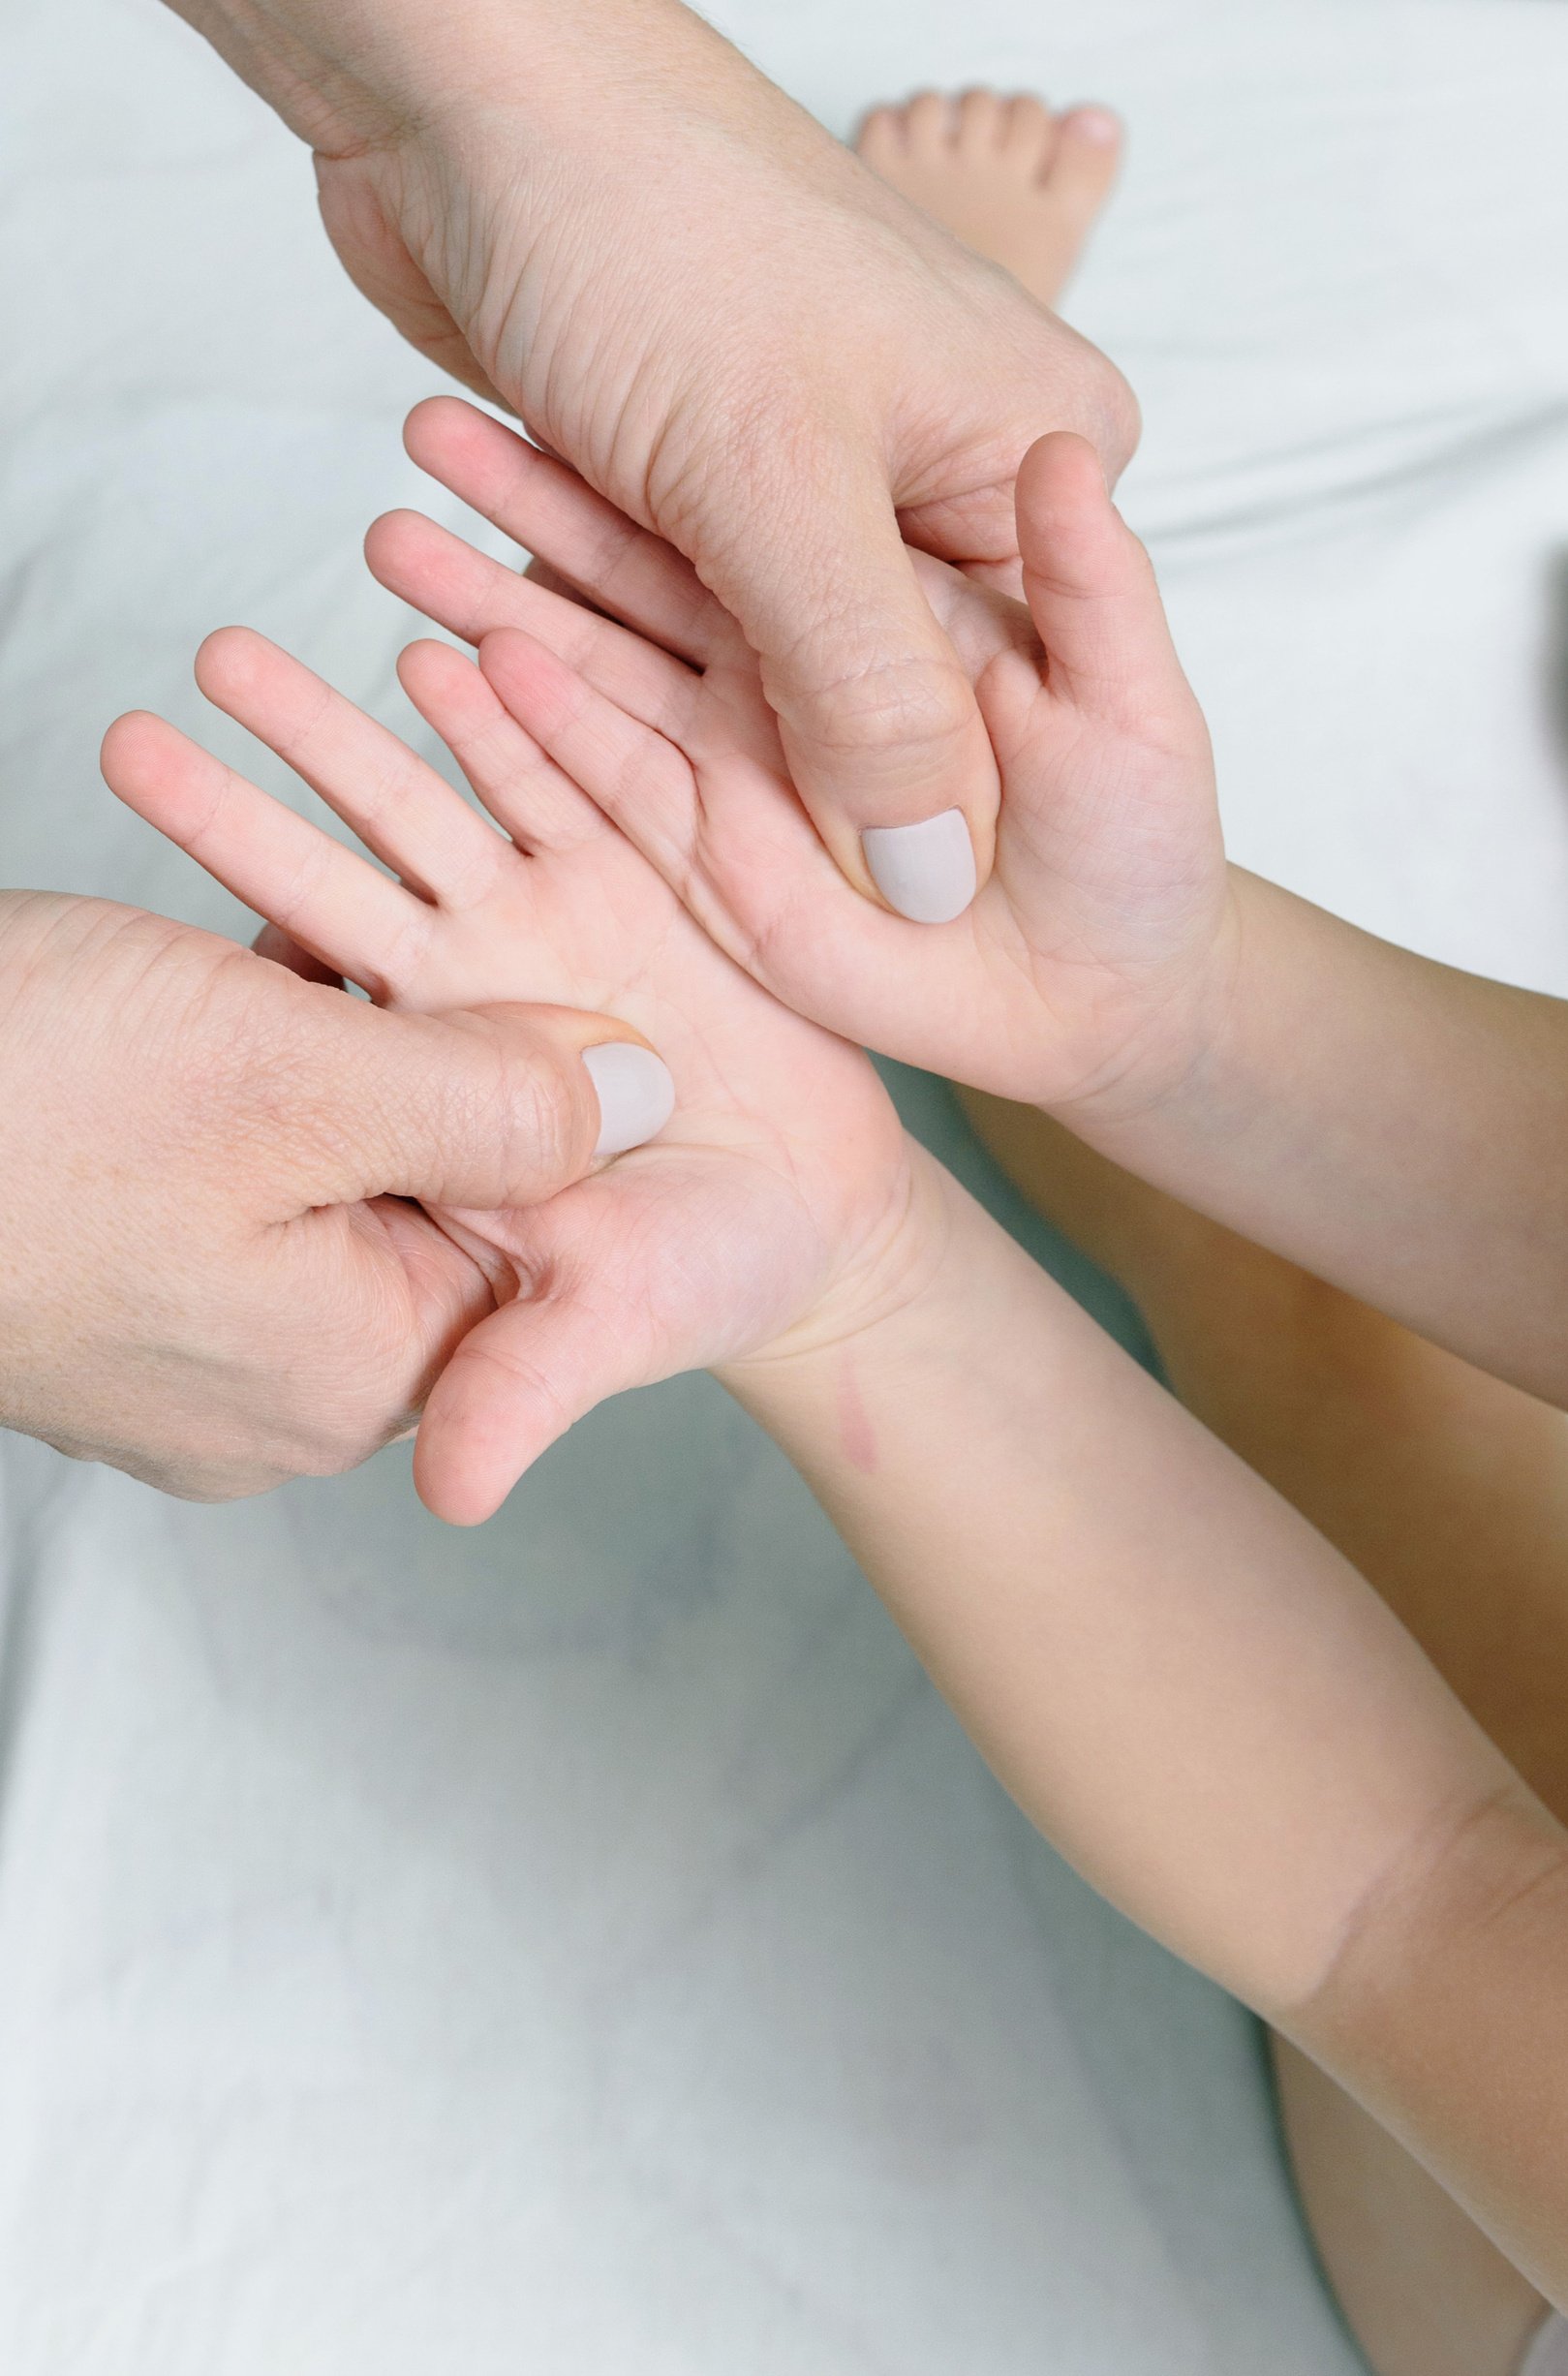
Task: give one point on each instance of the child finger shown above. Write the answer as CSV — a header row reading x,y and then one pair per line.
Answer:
x,y
525,792
274,944
543,506
1092,590
688,830
338,907
400,808
637,778
469,594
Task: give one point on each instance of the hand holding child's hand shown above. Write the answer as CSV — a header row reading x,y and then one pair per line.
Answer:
x,y
1081,977
779,1195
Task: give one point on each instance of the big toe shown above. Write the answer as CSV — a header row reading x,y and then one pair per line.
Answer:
x,y
1084,161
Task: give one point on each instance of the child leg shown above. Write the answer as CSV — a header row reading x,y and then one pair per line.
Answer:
x,y
1450,1492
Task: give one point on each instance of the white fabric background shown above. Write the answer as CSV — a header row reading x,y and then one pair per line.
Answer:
x,y
585,1947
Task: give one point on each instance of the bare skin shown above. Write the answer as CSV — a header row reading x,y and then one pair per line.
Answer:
x,y
1435,1480
1012,179
1449,1492
1094,1581
562,203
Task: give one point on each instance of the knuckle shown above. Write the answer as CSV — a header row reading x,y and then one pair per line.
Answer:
x,y
742,480
251,1074
888,704
354,1372
1115,418
540,1117
170,1030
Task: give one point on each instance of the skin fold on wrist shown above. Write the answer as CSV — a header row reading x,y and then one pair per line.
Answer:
x,y
897,1272
1444,2010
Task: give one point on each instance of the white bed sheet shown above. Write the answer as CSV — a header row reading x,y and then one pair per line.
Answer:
x,y
585,1947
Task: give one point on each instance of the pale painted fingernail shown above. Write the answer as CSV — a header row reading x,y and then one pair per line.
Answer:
x,y
636,1094
925,872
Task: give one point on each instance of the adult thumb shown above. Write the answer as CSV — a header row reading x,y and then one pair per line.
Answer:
x,y
500,1106
880,722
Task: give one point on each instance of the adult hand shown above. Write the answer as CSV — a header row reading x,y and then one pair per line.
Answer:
x,y
206,1276
597,211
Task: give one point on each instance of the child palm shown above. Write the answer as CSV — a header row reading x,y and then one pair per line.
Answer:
x,y
1081,967
783,1173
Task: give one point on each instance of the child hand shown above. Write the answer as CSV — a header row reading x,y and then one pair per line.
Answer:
x,y
778,1195
1084,977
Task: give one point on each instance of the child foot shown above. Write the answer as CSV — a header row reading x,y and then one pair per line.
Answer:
x,y
1013,181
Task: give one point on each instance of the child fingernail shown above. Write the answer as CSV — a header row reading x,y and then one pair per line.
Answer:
x,y
925,872
636,1094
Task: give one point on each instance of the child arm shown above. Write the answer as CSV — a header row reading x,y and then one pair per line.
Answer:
x,y
1394,1126
1208,1710
1202,1706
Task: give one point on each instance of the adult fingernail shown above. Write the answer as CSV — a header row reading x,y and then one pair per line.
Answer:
x,y
925,872
636,1094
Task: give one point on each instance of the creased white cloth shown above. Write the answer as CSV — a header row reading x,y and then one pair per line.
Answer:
x,y
585,1947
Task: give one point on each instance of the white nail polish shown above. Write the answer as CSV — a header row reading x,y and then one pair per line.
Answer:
x,y
925,872
636,1094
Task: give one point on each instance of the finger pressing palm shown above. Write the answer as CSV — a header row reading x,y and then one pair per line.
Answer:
x,y
783,1165
1109,882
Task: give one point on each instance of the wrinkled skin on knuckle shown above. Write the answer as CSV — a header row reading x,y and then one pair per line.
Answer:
x,y
277,1081
836,642
99,991
879,710
541,1119
1099,403
738,462
178,1034
242,1060
276,1118
351,1354
527,1102
122,1043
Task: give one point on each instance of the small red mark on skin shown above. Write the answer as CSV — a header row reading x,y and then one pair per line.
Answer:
x,y
857,1437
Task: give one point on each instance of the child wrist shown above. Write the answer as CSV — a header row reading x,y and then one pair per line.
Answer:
x,y
869,1300
1167,1064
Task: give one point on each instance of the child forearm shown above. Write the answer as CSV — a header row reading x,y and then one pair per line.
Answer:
x,y
1398,1128
1187,1689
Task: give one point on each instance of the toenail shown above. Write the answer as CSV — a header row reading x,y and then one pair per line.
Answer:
x,y
1096,124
